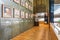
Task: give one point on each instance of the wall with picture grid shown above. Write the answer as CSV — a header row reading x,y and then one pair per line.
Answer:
x,y
11,27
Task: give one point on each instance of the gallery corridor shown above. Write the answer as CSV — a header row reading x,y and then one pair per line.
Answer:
x,y
29,19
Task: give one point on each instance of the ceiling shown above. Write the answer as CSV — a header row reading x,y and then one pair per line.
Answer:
x,y
57,1
41,5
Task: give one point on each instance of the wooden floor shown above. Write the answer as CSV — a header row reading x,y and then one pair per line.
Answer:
x,y
40,32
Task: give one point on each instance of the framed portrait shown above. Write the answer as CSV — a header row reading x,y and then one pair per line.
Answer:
x,y
7,11
1,11
22,14
29,15
30,7
26,15
32,15
17,1
27,5
16,13
22,2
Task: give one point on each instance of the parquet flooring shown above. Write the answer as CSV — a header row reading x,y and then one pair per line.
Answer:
x,y
40,32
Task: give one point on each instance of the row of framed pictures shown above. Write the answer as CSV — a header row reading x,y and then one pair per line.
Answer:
x,y
23,3
8,12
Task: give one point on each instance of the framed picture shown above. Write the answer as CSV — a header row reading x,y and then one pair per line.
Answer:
x,y
29,15
7,11
22,2
16,13
17,1
22,14
0,15
30,7
26,15
27,5
32,15
1,12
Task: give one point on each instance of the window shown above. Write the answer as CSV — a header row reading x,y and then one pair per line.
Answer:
x,y
56,13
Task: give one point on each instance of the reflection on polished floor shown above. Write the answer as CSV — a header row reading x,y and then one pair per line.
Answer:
x,y
40,32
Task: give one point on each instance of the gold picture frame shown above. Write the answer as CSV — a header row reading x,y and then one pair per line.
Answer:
x,y
17,1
